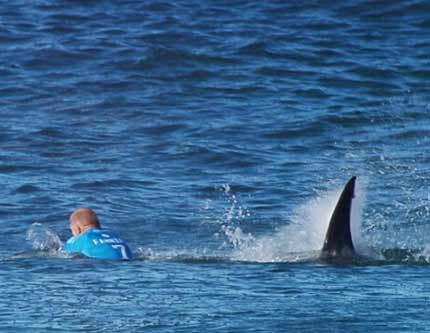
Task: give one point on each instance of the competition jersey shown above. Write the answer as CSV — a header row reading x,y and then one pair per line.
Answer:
x,y
99,244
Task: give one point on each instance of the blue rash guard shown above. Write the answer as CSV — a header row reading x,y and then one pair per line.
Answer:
x,y
99,244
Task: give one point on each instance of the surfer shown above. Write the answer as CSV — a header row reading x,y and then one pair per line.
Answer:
x,y
91,240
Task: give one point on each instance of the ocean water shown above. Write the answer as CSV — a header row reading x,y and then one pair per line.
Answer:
x,y
215,137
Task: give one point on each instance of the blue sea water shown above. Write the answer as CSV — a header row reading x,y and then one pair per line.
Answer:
x,y
215,137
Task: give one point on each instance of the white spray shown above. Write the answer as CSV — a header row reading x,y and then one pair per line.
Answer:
x,y
302,238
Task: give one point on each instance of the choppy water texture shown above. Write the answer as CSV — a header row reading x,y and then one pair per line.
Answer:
x,y
214,137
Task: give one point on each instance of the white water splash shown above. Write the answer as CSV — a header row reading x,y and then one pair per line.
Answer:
x,y
234,214
41,238
300,240
303,237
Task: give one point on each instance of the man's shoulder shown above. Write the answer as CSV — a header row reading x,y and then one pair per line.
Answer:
x,y
72,240
101,233
74,244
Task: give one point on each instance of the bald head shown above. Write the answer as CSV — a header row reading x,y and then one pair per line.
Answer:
x,y
83,219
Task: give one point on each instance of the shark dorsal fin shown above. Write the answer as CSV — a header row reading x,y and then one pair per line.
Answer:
x,y
338,240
